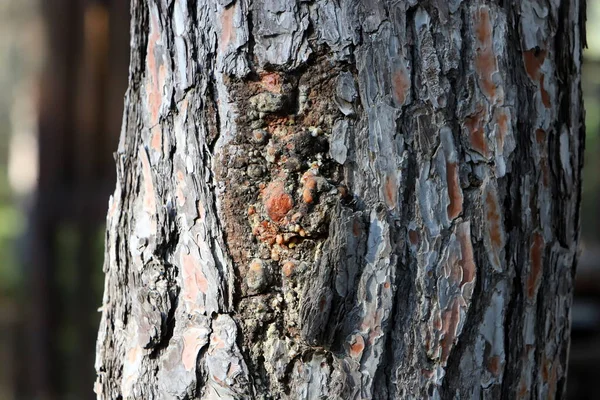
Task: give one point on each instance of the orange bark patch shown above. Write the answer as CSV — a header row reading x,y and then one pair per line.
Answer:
x,y
194,280
536,253
485,59
550,375
271,81
475,126
494,220
545,172
256,266
310,187
523,390
180,175
193,340
533,62
356,228
227,28
454,191
288,268
413,236
277,126
450,320
216,342
454,269
494,364
427,373
307,196
534,59
154,93
544,93
322,303
277,202
502,124
112,207
390,192
156,73
437,322
201,211
540,136
156,140
466,248
401,84
266,232
357,347
483,28
133,354
495,233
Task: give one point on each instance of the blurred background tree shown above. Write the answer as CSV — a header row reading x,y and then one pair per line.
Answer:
x,y
63,78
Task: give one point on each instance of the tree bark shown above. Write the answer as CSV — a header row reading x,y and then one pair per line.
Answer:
x,y
345,200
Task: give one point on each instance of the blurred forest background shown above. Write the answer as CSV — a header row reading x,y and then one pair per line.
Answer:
x,y
63,74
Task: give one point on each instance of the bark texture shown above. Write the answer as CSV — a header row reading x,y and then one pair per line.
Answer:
x,y
345,199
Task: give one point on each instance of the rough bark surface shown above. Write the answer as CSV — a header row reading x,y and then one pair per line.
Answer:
x,y
345,199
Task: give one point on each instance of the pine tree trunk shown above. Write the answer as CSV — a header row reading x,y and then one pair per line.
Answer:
x,y
345,199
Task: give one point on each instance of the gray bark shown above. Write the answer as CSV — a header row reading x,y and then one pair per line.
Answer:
x,y
345,200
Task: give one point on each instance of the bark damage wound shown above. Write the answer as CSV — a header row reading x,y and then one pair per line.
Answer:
x,y
281,188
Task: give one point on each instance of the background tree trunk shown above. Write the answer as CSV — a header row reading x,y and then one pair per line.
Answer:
x,y
345,199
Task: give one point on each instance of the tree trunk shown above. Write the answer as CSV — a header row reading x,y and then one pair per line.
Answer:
x,y
345,200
